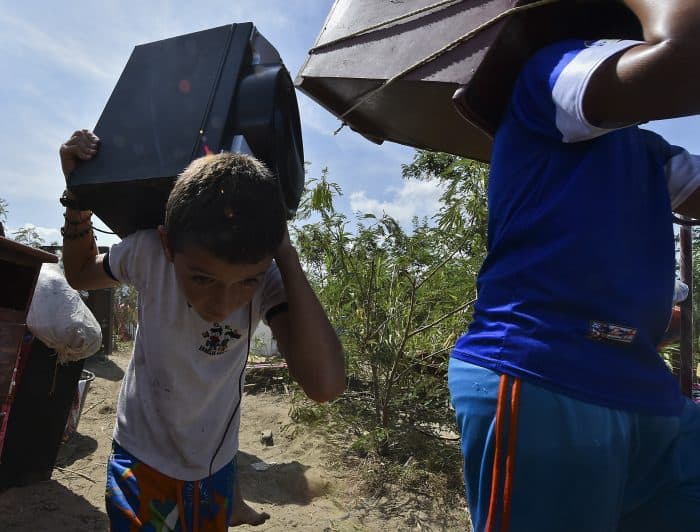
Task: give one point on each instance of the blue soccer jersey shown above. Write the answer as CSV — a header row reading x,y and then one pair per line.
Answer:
x,y
575,292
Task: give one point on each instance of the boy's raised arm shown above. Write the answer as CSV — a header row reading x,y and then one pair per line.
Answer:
x,y
304,335
82,264
655,80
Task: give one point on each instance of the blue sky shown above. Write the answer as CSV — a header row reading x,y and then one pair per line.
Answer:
x,y
61,60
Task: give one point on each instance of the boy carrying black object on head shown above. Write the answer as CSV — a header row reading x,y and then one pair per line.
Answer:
x,y
205,280
570,420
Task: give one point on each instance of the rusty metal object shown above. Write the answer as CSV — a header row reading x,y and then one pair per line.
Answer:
x,y
395,81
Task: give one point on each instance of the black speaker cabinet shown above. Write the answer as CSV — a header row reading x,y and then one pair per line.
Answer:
x,y
222,89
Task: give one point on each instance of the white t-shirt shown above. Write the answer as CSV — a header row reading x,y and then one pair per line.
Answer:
x,y
182,384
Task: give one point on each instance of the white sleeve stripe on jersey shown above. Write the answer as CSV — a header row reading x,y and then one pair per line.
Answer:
x,y
571,85
683,175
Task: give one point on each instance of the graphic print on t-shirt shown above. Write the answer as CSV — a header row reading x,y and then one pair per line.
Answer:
x,y
217,338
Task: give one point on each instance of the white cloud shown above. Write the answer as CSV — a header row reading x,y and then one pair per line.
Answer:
x,y
414,198
67,52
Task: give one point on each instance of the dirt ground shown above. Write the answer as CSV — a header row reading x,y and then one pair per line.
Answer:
x,y
290,479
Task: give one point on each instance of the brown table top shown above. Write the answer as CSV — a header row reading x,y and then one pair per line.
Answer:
x,y
19,253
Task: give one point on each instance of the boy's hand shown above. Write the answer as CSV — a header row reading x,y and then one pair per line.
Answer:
x,y
82,146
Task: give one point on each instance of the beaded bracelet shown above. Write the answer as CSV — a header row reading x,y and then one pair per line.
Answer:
x,y
69,203
74,222
75,236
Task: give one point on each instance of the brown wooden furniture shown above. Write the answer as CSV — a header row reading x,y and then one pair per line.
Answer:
x,y
19,270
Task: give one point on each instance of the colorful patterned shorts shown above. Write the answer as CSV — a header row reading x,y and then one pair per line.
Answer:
x,y
139,498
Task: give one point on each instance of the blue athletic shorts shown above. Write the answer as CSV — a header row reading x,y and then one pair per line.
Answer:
x,y
538,461
140,498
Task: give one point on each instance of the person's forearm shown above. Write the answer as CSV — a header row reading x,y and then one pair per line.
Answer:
x,y
315,355
79,248
655,80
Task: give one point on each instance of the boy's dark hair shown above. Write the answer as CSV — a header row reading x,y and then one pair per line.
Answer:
x,y
228,204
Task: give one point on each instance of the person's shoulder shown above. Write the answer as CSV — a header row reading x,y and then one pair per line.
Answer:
x,y
144,241
136,257
549,62
548,96
562,46
532,106
554,53
148,236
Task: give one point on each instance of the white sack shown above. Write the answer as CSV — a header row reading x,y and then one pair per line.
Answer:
x,y
60,318
680,292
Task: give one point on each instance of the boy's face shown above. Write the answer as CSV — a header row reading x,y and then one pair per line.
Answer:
x,y
214,287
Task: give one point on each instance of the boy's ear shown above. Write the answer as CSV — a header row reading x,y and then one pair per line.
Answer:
x,y
163,234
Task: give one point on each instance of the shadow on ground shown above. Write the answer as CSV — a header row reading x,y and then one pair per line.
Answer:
x,y
77,447
104,368
48,506
287,483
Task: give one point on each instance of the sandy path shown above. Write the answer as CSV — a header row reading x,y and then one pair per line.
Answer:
x,y
297,488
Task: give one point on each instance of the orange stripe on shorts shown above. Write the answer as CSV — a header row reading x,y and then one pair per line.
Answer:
x,y
509,451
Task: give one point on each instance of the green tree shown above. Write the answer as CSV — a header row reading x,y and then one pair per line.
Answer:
x,y
695,294
3,216
29,236
3,210
462,218
398,298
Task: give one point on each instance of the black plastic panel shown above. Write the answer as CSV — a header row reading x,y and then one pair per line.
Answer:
x,y
179,99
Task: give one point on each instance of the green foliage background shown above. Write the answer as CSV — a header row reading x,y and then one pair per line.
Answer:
x,y
399,298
